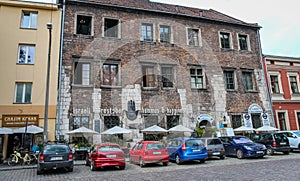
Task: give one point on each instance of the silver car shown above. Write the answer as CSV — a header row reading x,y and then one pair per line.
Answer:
x,y
214,147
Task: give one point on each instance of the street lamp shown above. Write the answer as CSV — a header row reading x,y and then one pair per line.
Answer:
x,y
49,27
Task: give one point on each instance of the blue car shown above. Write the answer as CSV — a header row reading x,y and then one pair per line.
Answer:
x,y
186,149
242,147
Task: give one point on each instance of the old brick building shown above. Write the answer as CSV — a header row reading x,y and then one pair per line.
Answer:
x,y
137,63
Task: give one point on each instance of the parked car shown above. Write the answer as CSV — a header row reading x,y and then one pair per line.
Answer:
x,y
275,142
294,138
186,149
242,147
144,152
214,147
106,155
55,156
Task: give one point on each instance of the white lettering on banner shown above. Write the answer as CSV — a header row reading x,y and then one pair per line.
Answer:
x,y
81,111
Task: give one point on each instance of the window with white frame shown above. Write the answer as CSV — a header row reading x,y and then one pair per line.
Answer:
x,y
149,79
29,20
225,40
275,84
111,27
82,73
243,42
23,92
282,121
26,54
248,80
197,78
79,121
194,37
147,32
167,73
110,74
229,78
84,25
294,84
165,34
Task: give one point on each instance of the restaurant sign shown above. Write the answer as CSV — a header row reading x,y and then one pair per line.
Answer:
x,y
19,120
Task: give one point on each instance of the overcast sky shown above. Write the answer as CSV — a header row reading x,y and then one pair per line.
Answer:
x,y
280,33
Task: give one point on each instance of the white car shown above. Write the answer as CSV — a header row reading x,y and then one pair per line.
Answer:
x,y
294,138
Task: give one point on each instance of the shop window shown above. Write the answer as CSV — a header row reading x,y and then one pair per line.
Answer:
x,y
111,121
229,79
23,93
256,121
29,20
111,28
26,54
82,73
84,25
172,121
236,121
79,121
147,32
150,120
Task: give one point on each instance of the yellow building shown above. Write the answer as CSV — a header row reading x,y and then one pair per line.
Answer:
x,y
24,42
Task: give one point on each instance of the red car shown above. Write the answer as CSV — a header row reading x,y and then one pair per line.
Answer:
x,y
145,152
106,155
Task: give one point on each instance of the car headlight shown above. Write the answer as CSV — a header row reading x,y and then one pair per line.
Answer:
x,y
248,148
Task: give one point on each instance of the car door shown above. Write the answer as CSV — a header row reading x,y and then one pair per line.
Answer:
x,y
133,152
292,139
229,146
172,147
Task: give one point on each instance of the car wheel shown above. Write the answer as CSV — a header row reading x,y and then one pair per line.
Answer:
x,y
286,152
202,161
222,157
239,154
70,169
92,166
270,151
39,171
177,159
165,163
121,167
142,163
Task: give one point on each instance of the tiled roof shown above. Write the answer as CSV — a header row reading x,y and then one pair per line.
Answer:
x,y
174,9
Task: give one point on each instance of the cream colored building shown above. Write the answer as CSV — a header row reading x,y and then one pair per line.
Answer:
x,y
24,43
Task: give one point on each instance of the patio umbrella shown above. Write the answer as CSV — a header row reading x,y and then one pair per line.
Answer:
x,y
116,130
82,131
267,128
5,130
244,128
30,129
180,128
154,130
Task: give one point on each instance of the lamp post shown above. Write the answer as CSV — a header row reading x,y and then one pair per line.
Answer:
x,y
49,27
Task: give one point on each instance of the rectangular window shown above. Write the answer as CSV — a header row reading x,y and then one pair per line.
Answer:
x,y
23,93
147,32
243,42
150,120
197,78
26,54
148,76
167,76
165,34
82,73
111,27
294,84
298,118
281,119
236,121
225,40
111,121
84,25
79,121
248,80
172,121
193,37
29,20
229,79
110,74
275,84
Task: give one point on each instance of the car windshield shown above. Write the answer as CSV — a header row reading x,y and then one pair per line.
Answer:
x,y
297,133
56,148
242,140
214,142
155,146
109,148
280,136
194,142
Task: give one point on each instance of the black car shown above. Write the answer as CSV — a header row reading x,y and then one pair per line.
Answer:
x,y
275,142
55,156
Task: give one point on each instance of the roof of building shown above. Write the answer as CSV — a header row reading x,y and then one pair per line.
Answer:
x,y
148,5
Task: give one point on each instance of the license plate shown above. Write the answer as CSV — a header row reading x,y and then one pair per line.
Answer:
x,y
216,153
111,156
259,152
56,158
156,153
283,143
196,150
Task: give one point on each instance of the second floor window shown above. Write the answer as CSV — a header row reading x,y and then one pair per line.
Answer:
x,y
229,79
193,37
225,40
164,33
248,81
26,54
23,92
84,25
147,32
148,76
82,73
167,76
110,74
275,84
197,78
243,42
294,84
111,27
29,20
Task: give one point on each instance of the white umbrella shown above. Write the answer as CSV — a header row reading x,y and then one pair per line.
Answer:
x,y
116,130
82,131
154,130
30,129
244,128
267,128
5,130
180,128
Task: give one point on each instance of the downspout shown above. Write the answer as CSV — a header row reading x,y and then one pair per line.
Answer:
x,y
58,121
264,71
